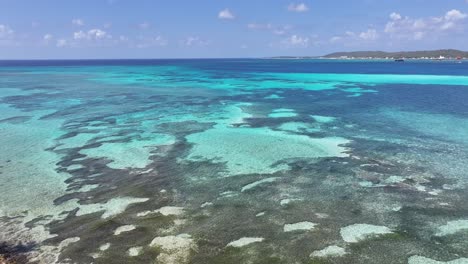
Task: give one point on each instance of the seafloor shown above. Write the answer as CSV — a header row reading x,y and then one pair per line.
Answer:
x,y
233,161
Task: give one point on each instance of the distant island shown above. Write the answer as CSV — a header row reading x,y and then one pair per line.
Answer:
x,y
443,54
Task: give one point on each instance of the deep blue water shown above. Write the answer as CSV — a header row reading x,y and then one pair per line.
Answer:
x,y
272,65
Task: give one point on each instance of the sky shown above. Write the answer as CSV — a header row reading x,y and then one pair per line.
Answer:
x,y
112,29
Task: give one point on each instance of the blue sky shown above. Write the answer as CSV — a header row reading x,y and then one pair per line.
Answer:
x,y
58,29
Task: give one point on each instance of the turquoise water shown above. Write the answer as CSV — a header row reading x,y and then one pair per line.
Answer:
x,y
233,161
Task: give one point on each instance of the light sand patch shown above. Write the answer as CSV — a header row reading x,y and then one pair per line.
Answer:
x,y
75,167
174,249
282,114
123,229
453,227
30,170
358,232
301,226
77,141
259,150
87,188
133,154
245,241
330,251
112,207
253,185
424,260
280,110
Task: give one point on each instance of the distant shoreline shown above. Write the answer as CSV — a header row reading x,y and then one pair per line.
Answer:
x,y
365,59
442,54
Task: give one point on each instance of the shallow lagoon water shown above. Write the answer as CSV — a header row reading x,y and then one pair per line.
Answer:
x,y
211,161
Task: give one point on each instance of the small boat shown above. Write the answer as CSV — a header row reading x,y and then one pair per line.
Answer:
x,y
399,60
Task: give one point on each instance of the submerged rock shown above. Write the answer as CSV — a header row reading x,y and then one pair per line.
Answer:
x,y
273,96
288,201
245,241
301,226
123,229
257,183
111,208
206,204
166,211
134,251
358,232
323,119
104,247
174,249
260,214
330,251
424,260
453,227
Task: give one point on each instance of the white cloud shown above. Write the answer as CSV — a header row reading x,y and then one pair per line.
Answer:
x,y
78,22
61,43
418,28
226,14
7,36
277,30
47,38
5,32
147,42
335,39
296,41
281,30
370,34
194,41
92,34
418,35
301,7
259,26
144,25
395,16
350,38
454,15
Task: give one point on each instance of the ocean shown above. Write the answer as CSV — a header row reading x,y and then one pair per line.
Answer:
x,y
234,161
